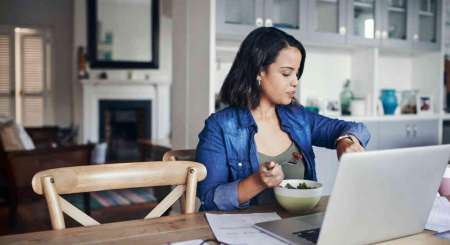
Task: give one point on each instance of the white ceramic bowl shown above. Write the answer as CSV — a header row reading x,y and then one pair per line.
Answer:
x,y
298,200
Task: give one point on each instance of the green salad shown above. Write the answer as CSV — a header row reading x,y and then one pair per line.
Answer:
x,y
301,185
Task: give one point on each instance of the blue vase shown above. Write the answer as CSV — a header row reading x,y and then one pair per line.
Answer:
x,y
389,100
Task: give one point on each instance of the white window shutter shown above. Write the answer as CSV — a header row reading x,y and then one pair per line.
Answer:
x,y
33,111
33,77
33,64
5,76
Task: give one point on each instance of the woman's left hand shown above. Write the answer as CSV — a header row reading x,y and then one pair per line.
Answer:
x,y
349,144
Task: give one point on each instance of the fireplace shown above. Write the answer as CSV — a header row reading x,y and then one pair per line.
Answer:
x,y
155,91
121,124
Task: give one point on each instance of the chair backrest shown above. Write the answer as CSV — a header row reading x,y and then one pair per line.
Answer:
x,y
182,155
53,182
179,155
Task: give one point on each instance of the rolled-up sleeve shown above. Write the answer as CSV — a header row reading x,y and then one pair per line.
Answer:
x,y
325,131
217,191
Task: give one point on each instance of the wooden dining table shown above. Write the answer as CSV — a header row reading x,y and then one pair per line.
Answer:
x,y
168,229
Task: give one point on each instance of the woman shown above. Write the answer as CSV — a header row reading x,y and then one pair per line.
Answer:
x,y
265,135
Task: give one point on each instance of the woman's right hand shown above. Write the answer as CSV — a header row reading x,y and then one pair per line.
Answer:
x,y
271,174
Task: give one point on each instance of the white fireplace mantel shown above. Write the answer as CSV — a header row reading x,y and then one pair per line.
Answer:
x,y
96,90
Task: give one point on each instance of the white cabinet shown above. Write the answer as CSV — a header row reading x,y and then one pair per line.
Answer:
x,y
369,42
398,134
395,135
425,132
236,18
398,25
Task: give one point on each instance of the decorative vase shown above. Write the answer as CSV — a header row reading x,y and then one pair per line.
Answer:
x,y
346,97
389,100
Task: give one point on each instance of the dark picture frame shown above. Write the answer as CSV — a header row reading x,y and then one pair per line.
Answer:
x,y
119,64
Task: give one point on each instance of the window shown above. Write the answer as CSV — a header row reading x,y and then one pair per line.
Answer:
x,y
25,93
5,76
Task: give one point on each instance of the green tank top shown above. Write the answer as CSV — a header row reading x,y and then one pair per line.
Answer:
x,y
291,161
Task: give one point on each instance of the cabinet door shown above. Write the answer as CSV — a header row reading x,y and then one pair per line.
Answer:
x,y
427,28
236,18
408,134
395,134
425,132
364,22
397,20
288,15
327,21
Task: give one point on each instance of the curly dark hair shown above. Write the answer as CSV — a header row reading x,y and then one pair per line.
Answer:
x,y
258,50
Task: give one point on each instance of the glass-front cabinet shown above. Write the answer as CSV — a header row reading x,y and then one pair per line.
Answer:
x,y
288,15
396,30
364,22
236,18
392,24
426,24
327,21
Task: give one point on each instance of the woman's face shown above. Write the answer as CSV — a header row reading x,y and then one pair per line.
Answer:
x,y
279,81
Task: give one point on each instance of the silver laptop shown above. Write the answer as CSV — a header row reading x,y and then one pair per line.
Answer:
x,y
377,196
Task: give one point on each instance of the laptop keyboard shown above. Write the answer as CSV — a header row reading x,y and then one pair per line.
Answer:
x,y
310,235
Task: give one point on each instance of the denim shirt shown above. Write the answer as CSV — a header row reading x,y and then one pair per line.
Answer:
x,y
227,148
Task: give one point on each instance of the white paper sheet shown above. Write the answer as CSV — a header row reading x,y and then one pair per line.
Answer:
x,y
439,219
237,228
443,235
190,242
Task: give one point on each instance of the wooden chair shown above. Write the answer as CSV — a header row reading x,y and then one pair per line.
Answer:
x,y
179,155
51,183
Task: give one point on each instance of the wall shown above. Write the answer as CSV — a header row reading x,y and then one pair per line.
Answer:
x,y
325,73
162,74
58,17
395,72
193,64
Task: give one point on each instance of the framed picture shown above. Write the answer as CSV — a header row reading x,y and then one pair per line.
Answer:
x,y
409,102
332,108
424,105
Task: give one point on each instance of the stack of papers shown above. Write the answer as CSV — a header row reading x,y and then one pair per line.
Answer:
x,y
238,228
439,219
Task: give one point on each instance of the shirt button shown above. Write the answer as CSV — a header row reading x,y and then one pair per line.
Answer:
x,y
240,164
